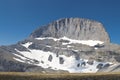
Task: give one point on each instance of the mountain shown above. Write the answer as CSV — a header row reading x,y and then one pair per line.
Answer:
x,y
74,45
73,28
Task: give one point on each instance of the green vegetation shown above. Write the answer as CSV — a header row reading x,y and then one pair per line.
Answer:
x,y
66,76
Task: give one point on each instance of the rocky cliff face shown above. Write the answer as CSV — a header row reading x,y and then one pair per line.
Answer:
x,y
74,28
66,45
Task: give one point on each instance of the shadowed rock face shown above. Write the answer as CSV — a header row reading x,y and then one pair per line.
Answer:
x,y
74,28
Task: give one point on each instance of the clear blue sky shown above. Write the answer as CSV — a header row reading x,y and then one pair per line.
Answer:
x,y
18,18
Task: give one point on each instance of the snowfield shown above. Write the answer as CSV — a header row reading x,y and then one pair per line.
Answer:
x,y
50,60
70,63
85,42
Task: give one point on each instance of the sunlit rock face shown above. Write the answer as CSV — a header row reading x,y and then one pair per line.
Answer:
x,y
74,28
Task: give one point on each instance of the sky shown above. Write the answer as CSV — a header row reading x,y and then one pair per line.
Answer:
x,y
18,18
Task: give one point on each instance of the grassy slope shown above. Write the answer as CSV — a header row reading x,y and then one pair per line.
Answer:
x,y
38,76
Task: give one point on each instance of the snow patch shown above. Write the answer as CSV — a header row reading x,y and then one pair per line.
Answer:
x,y
95,48
69,46
19,56
27,44
48,46
18,60
85,42
65,43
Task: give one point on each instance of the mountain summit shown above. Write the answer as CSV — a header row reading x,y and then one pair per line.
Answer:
x,y
74,28
71,45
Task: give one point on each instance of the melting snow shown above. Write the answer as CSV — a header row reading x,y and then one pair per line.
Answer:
x,y
27,44
18,60
48,46
95,48
85,42
70,63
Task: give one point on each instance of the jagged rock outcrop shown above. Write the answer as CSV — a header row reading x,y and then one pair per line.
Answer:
x,y
74,28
